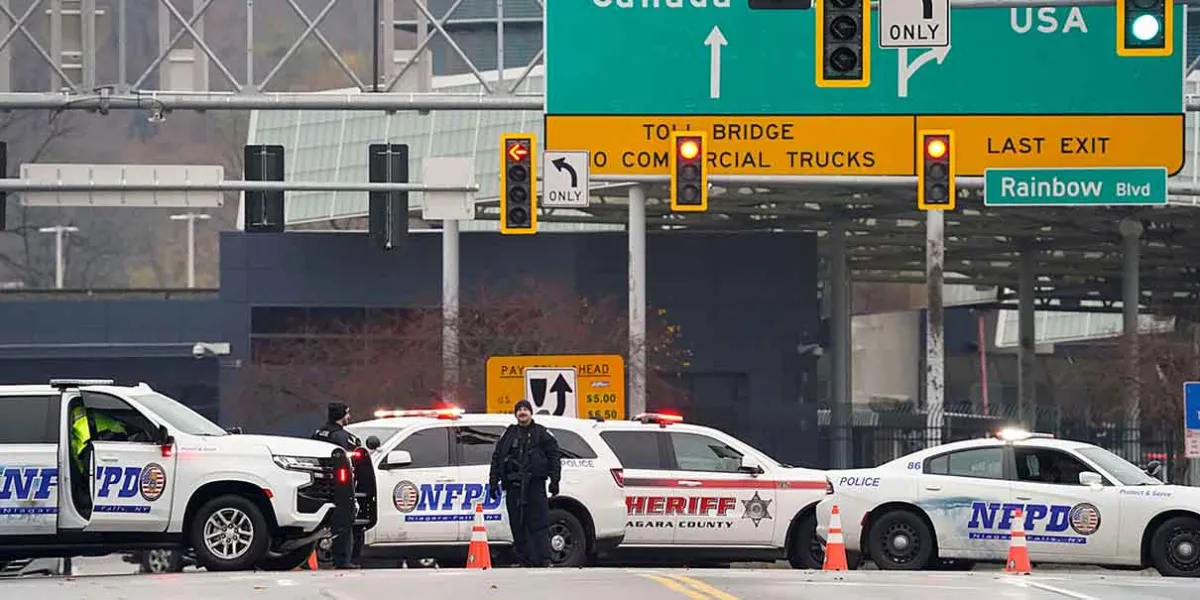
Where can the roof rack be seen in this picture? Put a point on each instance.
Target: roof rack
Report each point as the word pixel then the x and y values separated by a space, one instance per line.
pixel 74 383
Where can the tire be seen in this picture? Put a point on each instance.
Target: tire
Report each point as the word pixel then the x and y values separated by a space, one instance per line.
pixel 807 550
pixel 161 561
pixel 568 540
pixel 1175 547
pixel 288 561
pixel 901 541
pixel 231 514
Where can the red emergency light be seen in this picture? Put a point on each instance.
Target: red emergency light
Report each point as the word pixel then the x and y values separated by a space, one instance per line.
pixel 436 413
pixel 662 419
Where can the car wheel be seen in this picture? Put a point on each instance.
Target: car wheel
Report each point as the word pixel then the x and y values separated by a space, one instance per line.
pixel 287 561
pixel 901 541
pixel 162 561
pixel 229 533
pixel 568 542
pixel 808 549
pixel 1175 547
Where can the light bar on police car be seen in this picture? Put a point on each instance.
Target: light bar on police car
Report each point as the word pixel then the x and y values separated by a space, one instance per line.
pixel 658 418
pixel 1015 434
pixel 298 463
pixel 437 413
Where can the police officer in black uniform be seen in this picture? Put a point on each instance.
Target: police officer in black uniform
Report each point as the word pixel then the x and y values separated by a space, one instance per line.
pixel 526 456
pixel 334 432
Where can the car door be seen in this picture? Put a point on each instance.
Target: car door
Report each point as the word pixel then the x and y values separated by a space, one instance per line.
pixel 1063 517
pixel 133 477
pixel 29 470
pixel 474 445
pixel 648 487
pixel 968 498
pixel 715 503
pixel 422 508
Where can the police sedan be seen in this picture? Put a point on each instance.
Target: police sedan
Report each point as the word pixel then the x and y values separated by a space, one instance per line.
pixel 1080 504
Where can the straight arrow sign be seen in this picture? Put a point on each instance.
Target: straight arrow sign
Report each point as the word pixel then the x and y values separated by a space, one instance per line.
pixel 714 41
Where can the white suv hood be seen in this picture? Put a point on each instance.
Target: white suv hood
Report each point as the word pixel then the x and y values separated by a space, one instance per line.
pixel 273 444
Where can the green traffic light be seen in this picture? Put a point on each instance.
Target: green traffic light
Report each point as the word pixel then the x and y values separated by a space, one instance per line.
pixel 1145 28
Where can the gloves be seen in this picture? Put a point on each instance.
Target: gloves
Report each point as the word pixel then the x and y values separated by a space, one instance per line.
pixel 493 491
pixel 553 488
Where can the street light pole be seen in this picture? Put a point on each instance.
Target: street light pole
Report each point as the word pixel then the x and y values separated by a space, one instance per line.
pixel 60 232
pixel 191 242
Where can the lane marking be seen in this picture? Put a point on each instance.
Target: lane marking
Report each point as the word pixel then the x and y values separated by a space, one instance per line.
pixel 1045 587
pixel 717 593
pixel 672 585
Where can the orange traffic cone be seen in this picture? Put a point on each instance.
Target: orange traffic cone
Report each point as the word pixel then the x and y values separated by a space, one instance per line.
pixel 479 556
pixel 1018 550
pixel 835 545
pixel 310 564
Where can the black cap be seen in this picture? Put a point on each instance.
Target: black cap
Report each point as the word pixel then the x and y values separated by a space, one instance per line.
pixel 522 404
pixel 337 410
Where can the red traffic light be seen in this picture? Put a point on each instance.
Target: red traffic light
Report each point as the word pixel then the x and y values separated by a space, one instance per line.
pixel 517 151
pixel 689 148
pixel 936 147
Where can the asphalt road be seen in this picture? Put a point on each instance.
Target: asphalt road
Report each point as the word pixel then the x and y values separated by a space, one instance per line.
pixel 602 584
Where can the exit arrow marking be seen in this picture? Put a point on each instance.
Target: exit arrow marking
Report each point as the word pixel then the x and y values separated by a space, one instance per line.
pixel 562 165
pixel 561 388
pixel 905 70
pixel 714 41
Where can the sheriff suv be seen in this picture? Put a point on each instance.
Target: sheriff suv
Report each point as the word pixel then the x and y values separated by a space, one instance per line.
pixel 697 495
pixel 431 469
pixel 88 468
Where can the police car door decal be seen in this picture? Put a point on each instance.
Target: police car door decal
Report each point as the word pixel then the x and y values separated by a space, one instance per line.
pixel 29 492
pixel 131 487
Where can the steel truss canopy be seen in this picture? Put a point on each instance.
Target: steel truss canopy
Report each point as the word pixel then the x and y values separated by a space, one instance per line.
pixel 1078 249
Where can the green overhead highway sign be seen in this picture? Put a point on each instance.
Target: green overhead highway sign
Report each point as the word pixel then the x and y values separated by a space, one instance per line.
pixel 1074 187
pixel 1021 87
pixel 719 57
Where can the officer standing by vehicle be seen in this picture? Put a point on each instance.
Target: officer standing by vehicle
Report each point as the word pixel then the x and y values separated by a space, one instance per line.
pixel 334 432
pixel 525 457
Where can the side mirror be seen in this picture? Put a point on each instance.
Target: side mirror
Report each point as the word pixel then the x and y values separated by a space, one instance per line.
pixel 1154 469
pixel 396 459
pixel 234 430
pixel 164 436
pixel 1090 479
pixel 751 465
pixel 373 442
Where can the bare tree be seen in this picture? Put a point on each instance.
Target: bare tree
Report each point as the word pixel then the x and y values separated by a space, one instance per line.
pixel 395 357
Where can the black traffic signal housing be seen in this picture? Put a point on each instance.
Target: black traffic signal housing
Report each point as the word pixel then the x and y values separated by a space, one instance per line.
pixel 518 184
pixel 387 214
pixel 935 179
pixel 1145 27
pixel 689 171
pixel 843 43
pixel 264 210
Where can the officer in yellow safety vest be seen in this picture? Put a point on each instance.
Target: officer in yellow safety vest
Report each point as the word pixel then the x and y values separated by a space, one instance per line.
pixel 80 434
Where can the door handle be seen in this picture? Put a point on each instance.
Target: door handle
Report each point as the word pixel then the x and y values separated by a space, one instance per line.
pixel 1024 497
pixel 108 459
pixel 934 488
pixel 445 479
pixel 688 483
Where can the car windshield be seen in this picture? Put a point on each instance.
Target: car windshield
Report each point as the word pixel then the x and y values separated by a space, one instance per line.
pixel 365 431
pixel 177 415
pixel 1125 472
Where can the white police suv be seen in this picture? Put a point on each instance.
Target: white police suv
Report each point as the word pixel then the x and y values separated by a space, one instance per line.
pixel 696 495
pixel 431 469
pixel 1080 503
pixel 88 468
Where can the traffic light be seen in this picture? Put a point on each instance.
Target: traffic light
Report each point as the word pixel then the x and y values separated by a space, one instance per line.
pixel 1145 27
pixel 935 179
pixel 843 43
pixel 518 184
pixel 263 210
pixel 387 215
pixel 689 172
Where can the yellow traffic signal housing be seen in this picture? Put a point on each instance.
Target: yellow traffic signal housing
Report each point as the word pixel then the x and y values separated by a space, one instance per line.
pixel 935 177
pixel 689 171
pixel 843 43
pixel 518 184
pixel 1145 27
